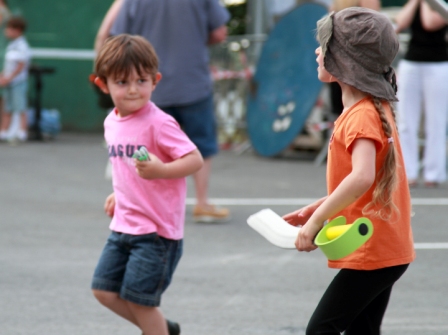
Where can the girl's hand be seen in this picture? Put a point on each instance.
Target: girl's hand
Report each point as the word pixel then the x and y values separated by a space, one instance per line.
pixel 306 236
pixel 109 205
pixel 153 168
pixel 300 216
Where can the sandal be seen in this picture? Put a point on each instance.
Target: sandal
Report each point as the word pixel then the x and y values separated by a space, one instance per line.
pixel 431 184
pixel 412 183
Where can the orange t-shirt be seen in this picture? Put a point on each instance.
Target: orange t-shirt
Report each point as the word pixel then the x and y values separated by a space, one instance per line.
pixel 392 242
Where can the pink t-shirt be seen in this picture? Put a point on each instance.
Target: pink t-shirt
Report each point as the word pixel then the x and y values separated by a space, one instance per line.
pixel 146 206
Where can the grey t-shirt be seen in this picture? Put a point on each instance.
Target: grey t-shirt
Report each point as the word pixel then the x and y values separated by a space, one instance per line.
pixel 178 30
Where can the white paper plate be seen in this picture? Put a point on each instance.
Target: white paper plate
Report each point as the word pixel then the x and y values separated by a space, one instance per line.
pixel 272 227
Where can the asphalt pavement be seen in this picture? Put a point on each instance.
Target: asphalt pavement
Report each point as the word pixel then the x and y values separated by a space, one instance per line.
pixel 230 280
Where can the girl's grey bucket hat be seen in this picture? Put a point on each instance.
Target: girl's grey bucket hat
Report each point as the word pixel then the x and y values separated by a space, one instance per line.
pixel 359 46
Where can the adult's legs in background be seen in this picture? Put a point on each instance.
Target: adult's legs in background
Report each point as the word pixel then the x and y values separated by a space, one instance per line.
pixel 198 122
pixel 435 108
pixel 201 180
pixel 409 114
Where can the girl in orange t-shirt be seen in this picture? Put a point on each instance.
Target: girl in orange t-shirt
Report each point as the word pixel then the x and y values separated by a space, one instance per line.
pixel 365 173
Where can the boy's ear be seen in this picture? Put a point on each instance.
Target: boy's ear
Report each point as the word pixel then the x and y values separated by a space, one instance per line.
pixel 158 77
pixel 101 84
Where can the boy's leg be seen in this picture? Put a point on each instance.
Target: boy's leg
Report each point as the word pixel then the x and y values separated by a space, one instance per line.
pixel 6 122
pixel 19 101
pixel 6 114
pixel 150 319
pixel 6 117
pixel 137 254
pixel 122 308
pixel 24 121
pixel 23 128
pixel 112 301
pixel 108 276
pixel 149 270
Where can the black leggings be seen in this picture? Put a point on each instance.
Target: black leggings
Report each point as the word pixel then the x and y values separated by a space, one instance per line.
pixel 355 302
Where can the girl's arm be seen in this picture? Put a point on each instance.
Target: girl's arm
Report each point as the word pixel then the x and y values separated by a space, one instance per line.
pixel 431 20
pixel 179 168
pixel 106 24
pixel 406 15
pixel 302 215
pixel 349 190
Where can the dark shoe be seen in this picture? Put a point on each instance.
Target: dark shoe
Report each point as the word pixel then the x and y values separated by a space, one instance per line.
pixel 173 327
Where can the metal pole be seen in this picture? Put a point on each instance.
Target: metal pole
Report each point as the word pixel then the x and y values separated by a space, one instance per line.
pixel 256 16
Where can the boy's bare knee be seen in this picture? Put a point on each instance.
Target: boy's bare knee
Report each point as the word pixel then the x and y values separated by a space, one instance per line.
pixel 136 307
pixel 104 297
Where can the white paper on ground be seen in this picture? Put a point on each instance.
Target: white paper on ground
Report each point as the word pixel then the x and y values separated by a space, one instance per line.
pixel 272 227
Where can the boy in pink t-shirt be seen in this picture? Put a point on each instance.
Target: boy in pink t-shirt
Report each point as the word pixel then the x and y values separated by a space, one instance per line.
pixel 148 203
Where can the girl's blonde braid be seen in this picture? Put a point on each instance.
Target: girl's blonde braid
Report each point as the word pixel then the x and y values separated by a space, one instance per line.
pixel 386 176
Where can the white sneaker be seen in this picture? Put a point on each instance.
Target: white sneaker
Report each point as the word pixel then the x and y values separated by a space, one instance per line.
pixel 3 135
pixel 22 136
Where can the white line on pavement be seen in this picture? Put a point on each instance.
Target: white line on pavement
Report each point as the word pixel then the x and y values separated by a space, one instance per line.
pixel 300 201
pixel 433 245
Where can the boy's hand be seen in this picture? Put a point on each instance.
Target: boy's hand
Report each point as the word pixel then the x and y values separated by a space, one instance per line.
pixel 153 168
pixel 109 205
pixel 141 154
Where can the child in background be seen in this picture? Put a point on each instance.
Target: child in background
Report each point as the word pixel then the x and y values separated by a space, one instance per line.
pixel 148 203
pixel 14 78
pixel 365 173
pixel 5 14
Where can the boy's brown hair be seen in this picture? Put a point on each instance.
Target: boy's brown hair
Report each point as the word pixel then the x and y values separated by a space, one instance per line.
pixel 17 22
pixel 121 53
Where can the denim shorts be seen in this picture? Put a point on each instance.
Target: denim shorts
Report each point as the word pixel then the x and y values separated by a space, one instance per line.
pixel 137 267
pixel 16 97
pixel 198 122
